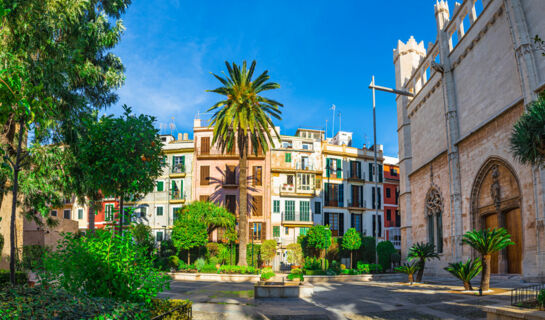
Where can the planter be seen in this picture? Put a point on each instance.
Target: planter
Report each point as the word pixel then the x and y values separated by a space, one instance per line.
pixel 288 289
pixel 506 313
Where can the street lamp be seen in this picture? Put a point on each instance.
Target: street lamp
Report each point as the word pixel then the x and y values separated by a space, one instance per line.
pixel 374 87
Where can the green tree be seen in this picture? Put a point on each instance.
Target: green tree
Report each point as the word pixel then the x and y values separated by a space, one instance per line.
pixel 368 249
pixel 143 238
pixel 351 242
pixel 124 156
pixel 243 120
pixel 422 252
pixel 528 136
pixel 385 249
pixel 55 66
pixel 268 251
pixel 189 232
pixel 295 254
pixel 212 215
pixel 486 242
pixel 465 271
pixel 319 237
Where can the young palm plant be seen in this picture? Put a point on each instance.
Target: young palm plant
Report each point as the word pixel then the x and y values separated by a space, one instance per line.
pixel 465 271
pixel 486 242
pixel 243 119
pixel 409 269
pixel 528 137
pixel 422 251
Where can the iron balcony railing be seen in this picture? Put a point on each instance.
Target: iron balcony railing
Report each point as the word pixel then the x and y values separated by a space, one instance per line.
pixel 357 204
pixel 300 165
pixel 334 203
pixel 177 195
pixel 177 168
pixel 296 216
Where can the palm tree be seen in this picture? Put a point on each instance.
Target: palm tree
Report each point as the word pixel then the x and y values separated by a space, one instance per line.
pixel 422 251
pixel 465 271
pixel 409 269
pixel 486 242
pixel 244 116
pixel 528 137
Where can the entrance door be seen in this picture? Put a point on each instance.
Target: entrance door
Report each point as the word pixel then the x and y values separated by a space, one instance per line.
pixel 491 221
pixel 514 252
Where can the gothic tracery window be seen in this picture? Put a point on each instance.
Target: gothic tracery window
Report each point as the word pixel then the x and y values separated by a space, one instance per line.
pixel 434 212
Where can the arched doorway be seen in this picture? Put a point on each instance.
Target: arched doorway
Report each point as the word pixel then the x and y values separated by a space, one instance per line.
pixel 495 202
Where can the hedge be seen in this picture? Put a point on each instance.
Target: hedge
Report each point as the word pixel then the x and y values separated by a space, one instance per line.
pixel 20 277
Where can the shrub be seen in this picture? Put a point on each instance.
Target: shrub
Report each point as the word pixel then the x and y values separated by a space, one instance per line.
pixel 395 258
pixel 314 272
pixel 167 248
pixel 233 269
pixel 267 274
pixel 423 252
pixel 295 254
pixel 209 268
pixel 53 303
pixel 367 249
pixel 541 298
pixel 161 306
pixel 312 264
pixel 350 271
pixel 187 267
pixel 369 268
pixel 199 264
pixel 256 255
pixel 330 272
pixel 385 249
pixel 465 271
pixel 213 261
pixel 335 266
pixel 33 256
pixel 174 262
pixel 296 274
pixel 104 264
pixel 212 249
pixel 20 277
pixel 143 237
pixel 224 254
pixel 268 251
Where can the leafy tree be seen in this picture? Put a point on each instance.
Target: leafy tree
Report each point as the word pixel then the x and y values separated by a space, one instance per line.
pixel 122 156
pixel 268 250
pixel 55 66
pixel 528 136
pixel 319 237
pixel 422 252
pixel 244 116
pixel 143 238
pixel 486 242
pixel 351 242
pixel 368 249
pixel 212 215
pixel 189 232
pixel 295 254
pixel 465 271
pixel 385 250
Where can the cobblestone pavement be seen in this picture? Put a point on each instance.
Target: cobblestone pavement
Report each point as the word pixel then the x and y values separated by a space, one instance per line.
pixel 435 299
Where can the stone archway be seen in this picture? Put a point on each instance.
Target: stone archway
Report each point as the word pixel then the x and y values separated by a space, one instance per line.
pixel 496 202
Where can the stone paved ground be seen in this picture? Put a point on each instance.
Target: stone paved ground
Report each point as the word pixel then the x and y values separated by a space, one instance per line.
pixel 341 300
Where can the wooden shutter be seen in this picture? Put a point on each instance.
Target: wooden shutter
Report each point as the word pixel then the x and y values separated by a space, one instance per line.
pixel 326 193
pixel 341 224
pixel 205 175
pixel 205 145
pixel 327 167
pixel 173 163
pixel 182 189
pixel 379 198
pixel 352 168
pixel 257 205
pixel 339 169
pixel 263 231
pixel 361 196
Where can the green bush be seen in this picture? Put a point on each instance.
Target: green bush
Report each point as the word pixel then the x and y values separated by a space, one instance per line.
pixel 233 269
pixel 295 254
pixel 209 268
pixel 161 306
pixel 335 266
pixel 212 249
pixel 256 255
pixel 20 277
pixel 174 262
pixel 225 254
pixel 267 274
pixel 296 274
pixel 103 264
pixel 369 268
pixel 167 248
pixel 268 251
pixel 39 303
pixel 162 263
pixel 385 249
pixel 350 271
pixel 367 249
pixel 312 264
pixel 541 298
pixel 33 256
pixel 330 272
pixel 314 272
pixel 199 264
pixel 187 267
pixel 213 261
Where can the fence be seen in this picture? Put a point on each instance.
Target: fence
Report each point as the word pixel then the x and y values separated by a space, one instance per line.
pixel 526 296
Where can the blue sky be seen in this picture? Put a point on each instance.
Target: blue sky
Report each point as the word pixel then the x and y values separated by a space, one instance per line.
pixel 320 52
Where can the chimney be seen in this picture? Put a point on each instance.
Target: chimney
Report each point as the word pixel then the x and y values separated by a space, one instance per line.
pixel 186 136
pixel 180 135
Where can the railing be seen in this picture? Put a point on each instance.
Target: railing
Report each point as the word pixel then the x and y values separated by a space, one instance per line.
pixel 334 203
pixel 526 297
pixel 178 168
pixel 214 152
pixel 177 195
pixel 300 165
pixel 357 204
pixel 296 216
pixel 356 177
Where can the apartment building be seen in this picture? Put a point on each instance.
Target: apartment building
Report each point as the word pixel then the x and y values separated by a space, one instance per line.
pixel 349 191
pixel 392 219
pixel 217 177
pixel 296 184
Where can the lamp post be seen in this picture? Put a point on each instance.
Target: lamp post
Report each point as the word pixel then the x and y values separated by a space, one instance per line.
pixel 374 87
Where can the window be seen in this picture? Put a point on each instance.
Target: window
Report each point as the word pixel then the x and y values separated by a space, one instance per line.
pixel 375 218
pixel 304 210
pixel 205 175
pixel 258 175
pixel 287 157
pixel 434 212
pixel 355 169
pixel 334 195
pixel 335 222
pixel 393 172
pixel 290 179
pixel 398 219
pixel 286 144
pixel 276 231
pixel 388 215
pixel 317 207
pixel 257 206
pixel 397 196
pixel 286 231
pixel 53 213
pixel 66 214
pixel 388 193
pixel 80 214
pixel 303 231
pixel 178 164
pixel 160 186
pixel 143 212
pixel 109 212
pixel 307 146
pixel 356 222
pixel 289 215
pixel 159 211
pixel 230 175
pixel 357 196
pixel 231 203
pixel 305 181
pixel 276 206
pixel 159 236
pixel 205 145
pixel 255 230
pixel 379 199
pixel 176 212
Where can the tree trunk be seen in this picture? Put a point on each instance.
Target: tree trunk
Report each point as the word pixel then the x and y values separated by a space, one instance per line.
pixel 121 215
pixel 16 168
pixel 467 286
pixel 188 257
pixel 485 276
pixel 243 207
pixel 91 218
pixel 351 266
pixel 422 264
pixel 411 280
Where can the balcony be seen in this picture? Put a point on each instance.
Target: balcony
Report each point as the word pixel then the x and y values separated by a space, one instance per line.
pixel 214 153
pixel 296 218
pixel 292 190
pixel 287 188
pixel 357 204
pixel 304 166
pixel 177 197
pixel 177 171
pixel 393 235
pixel 229 182
pixel 334 203
pixel 356 178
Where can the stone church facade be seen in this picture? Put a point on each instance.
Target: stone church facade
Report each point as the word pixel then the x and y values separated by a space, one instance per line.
pixel 457 171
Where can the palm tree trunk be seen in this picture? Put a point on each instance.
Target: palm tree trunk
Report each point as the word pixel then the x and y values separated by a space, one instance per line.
pixel 485 277
pixel 411 276
pixel 243 207
pixel 422 264
pixel 467 285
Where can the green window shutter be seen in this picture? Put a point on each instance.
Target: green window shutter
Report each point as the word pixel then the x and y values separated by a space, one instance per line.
pixel 341 195
pixel 159 186
pixel 304 208
pixel 182 189
pixel 276 231
pixel 173 161
pixel 339 169
pixel 183 160
pixel 276 206
pixel 327 167
pixel 159 211
pixel 290 210
pixel 288 157
pixel 173 187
